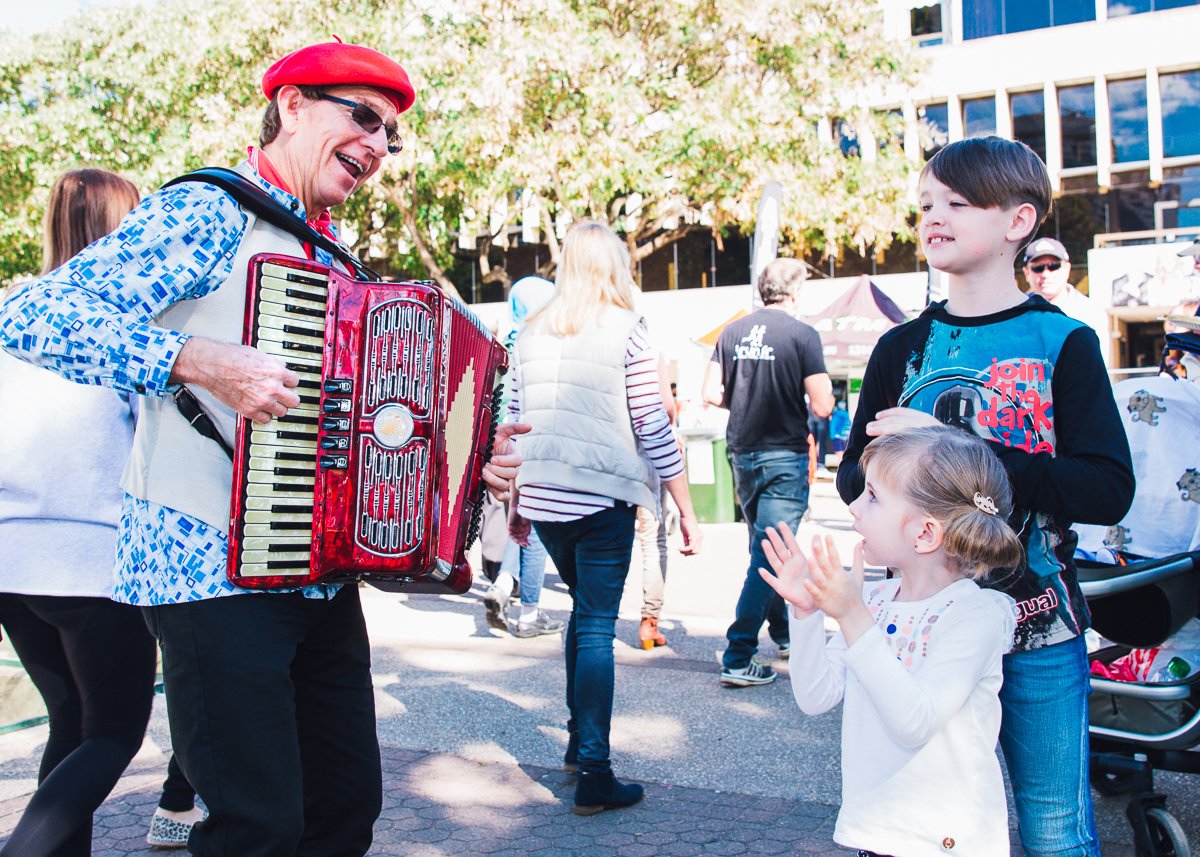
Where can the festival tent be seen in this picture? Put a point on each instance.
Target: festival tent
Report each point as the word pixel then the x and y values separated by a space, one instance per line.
pixel 710 339
pixel 853 323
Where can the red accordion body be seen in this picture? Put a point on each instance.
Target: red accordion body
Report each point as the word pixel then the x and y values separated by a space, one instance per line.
pixel 377 474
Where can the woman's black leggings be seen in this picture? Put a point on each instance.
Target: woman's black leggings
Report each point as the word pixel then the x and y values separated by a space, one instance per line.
pixel 177 793
pixel 93 662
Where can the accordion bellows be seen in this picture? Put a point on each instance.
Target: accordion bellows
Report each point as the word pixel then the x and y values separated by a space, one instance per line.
pixel 377 474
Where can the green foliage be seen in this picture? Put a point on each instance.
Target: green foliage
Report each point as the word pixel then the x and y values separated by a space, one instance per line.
pixel 661 116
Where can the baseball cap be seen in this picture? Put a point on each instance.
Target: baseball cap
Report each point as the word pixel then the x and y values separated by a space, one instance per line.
pixel 1192 249
pixel 1046 247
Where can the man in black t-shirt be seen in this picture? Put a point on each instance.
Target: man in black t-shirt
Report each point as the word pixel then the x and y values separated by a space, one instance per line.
pixel 762 368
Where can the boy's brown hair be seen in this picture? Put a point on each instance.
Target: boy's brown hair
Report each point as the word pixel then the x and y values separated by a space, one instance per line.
pixel 991 172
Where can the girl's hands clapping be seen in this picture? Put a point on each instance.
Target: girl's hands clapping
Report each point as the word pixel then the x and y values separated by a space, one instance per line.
pixel 837 593
pixel 818 582
pixel 791 569
pixel 831 589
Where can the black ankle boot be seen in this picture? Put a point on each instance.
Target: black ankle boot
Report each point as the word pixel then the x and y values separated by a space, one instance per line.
pixel 598 791
pixel 571 757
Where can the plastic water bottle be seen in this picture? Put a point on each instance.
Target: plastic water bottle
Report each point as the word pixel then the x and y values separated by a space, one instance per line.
pixel 1175 669
pixel 1178 656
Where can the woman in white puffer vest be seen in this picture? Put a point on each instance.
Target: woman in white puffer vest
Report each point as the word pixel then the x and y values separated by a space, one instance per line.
pixel 586 379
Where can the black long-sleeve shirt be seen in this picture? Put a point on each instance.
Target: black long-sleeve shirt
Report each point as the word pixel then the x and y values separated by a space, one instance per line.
pixel 1031 380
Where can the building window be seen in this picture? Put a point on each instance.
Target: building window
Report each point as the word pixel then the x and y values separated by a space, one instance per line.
pixel 979 117
pixel 848 139
pixel 1127 111
pixel 982 18
pixel 891 132
pixel 1117 8
pixel 934 123
pixel 926 25
pixel 1029 120
pixel 1180 195
pixel 1181 113
pixel 1077 116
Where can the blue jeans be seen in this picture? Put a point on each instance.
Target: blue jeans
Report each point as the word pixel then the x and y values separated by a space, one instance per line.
pixel 528 565
pixel 772 486
pixel 592 557
pixel 1044 736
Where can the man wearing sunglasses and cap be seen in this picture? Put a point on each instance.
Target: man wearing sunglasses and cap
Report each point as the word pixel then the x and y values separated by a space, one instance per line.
pixel 269 693
pixel 1047 268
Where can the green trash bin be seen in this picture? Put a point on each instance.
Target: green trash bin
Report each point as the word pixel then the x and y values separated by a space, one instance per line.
pixel 710 481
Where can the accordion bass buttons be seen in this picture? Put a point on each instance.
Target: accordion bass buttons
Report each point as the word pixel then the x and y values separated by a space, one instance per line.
pixel 335 447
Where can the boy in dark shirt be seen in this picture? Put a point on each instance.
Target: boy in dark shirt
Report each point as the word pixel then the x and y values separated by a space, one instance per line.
pixel 1018 372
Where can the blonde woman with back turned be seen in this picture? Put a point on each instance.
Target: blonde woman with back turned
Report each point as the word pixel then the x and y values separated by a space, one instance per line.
pixel 586 379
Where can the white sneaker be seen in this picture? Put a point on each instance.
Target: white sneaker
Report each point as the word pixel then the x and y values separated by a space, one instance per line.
pixel 496 603
pixel 542 624
pixel 748 676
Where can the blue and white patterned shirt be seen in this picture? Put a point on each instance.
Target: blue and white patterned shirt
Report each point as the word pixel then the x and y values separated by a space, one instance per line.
pixel 91 321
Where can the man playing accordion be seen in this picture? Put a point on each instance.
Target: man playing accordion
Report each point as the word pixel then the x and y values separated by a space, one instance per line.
pixel 269 693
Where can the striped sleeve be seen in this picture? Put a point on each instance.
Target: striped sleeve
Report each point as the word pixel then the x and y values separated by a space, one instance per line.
pixel 650 421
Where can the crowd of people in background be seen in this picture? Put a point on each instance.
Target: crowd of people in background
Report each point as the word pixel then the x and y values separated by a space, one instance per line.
pixel 983 433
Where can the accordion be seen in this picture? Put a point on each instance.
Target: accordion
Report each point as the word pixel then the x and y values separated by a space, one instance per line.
pixel 376 475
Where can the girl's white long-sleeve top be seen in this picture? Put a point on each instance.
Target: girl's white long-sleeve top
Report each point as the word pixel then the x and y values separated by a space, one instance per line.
pixel 921 717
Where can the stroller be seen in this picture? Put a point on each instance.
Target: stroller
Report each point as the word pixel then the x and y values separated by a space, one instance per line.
pixel 1136 728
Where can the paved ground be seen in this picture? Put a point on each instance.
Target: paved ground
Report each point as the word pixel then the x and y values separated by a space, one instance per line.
pixel 471 724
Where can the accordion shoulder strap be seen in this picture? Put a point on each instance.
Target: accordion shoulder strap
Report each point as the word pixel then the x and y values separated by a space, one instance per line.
pixel 257 201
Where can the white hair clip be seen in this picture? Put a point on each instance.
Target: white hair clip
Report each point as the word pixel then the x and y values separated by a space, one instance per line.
pixel 985 504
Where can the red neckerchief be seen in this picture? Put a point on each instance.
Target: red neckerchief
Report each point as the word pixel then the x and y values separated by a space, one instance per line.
pixel 262 165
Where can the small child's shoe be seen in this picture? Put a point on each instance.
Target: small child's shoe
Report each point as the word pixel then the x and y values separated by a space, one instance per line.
pixel 171 829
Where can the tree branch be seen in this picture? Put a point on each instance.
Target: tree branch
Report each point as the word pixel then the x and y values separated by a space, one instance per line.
pixel 418 239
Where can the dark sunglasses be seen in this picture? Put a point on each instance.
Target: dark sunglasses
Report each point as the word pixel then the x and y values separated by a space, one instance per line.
pixel 369 121
pixel 1037 269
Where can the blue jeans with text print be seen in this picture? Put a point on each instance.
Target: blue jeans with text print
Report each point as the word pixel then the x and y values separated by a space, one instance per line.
pixel 772 486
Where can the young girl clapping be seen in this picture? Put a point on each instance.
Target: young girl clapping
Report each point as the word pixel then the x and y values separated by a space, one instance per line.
pixel 917 657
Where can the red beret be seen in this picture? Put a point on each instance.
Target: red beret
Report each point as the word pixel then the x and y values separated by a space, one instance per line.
pixel 339 64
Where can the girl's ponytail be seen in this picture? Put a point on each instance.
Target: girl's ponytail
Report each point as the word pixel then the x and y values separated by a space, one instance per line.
pixel 980 541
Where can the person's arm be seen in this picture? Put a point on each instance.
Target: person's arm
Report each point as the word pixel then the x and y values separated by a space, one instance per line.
pixel 1089 478
pixel 816 669
pixel 254 384
pixel 91 320
pixel 819 389
pixel 500 472
pixel 712 390
pixel 653 429
pixel 880 390
pixel 689 527
pixel 664 390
